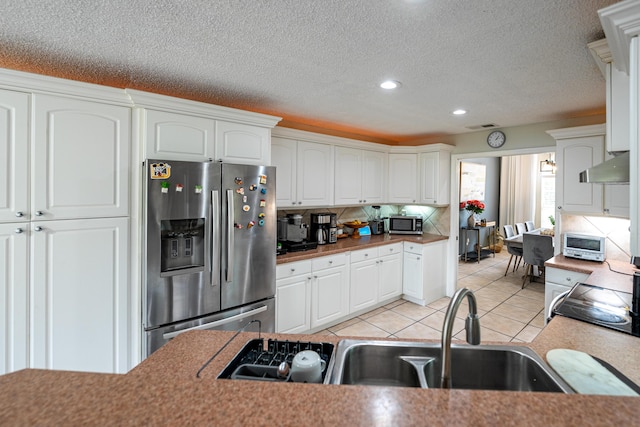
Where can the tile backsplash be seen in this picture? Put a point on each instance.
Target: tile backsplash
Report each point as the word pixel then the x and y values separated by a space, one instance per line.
pixel 435 219
pixel 616 231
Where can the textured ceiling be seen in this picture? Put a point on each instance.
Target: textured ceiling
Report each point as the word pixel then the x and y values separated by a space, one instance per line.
pixel 319 62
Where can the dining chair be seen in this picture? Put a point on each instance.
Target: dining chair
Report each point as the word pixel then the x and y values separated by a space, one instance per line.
pixel 529 225
pixel 520 228
pixel 515 252
pixel 536 249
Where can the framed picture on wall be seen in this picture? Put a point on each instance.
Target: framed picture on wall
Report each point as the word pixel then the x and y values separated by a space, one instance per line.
pixel 473 179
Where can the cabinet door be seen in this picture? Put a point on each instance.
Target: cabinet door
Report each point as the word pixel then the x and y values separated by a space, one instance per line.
pixel 618 90
pixel 329 295
pixel 293 301
pixel 315 174
pixel 412 275
pixel 244 144
pixel 374 172
pixel 429 177
pixel 389 276
pixel 81 159
pixel 364 285
pixel 573 156
pixel 403 178
pixel 14 303
pixel 80 297
pixel 348 176
pixel 435 263
pixel 434 178
pixel 14 156
pixel 178 136
pixel 284 155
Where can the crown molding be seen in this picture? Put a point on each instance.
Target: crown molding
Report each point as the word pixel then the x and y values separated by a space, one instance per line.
pixel 38 83
pixel 621 22
pixel 155 101
pixel 601 54
pixel 578 131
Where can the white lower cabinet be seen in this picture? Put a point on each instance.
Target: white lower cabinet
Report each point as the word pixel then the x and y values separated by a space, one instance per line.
pixel 364 279
pixel 424 272
pixel 293 297
pixel 80 302
pixel 376 275
pixel 14 288
pixel 390 271
pixel 329 289
pixel 558 281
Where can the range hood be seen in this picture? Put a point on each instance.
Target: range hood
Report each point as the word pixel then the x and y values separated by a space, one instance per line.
pixel 613 171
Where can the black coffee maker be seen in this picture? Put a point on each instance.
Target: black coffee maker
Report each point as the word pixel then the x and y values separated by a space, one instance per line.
pixel 323 228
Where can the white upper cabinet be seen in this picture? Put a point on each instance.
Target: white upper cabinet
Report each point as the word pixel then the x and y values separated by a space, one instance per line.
pixel 181 129
pixel 359 176
pixel 284 156
pixel 434 177
pixel 348 177
pixel 578 149
pixel 618 97
pixel 374 176
pixel 403 178
pixel 80 158
pixel 304 173
pixel 14 156
pixel 618 90
pixel 178 136
pixel 315 174
pixel 573 155
pixel 239 143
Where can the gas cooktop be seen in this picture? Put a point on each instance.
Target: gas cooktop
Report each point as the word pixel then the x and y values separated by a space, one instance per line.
pixel 600 306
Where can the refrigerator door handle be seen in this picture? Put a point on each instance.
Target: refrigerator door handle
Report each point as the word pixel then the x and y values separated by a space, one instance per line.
pixel 215 215
pixel 229 248
pixel 220 322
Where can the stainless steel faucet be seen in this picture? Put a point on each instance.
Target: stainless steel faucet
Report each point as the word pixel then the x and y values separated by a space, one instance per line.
pixel 471 324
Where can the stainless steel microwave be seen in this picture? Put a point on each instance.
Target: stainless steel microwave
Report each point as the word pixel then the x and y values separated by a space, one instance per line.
pixel 400 224
pixel 584 246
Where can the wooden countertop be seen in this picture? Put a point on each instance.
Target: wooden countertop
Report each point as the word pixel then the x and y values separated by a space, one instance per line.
pixel 163 390
pixel 350 244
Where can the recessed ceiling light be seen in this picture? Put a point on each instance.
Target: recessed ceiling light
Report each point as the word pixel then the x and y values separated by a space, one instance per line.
pixel 390 84
pixel 459 112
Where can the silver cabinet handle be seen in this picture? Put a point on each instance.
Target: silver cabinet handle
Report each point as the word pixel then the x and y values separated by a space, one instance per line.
pixel 39 213
pixel 19 214
pixel 37 228
pixel 19 230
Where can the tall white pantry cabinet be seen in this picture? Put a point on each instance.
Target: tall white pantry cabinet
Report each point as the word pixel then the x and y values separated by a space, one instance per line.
pixel 64 227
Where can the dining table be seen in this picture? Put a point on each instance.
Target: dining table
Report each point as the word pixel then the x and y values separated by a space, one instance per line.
pixel 516 241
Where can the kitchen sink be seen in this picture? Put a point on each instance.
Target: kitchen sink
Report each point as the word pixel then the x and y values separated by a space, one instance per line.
pixel 414 364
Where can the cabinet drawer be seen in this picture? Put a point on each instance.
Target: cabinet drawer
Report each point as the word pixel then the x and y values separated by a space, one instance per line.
pixel 413 248
pixel 329 261
pixel 364 254
pixel 396 248
pixel 564 277
pixel 291 269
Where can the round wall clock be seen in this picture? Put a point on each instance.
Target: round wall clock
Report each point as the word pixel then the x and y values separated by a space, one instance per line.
pixel 496 139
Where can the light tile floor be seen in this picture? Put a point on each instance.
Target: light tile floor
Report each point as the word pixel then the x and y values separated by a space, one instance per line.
pixel 507 312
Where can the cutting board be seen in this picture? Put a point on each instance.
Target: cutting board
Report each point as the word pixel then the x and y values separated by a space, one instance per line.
pixel 586 375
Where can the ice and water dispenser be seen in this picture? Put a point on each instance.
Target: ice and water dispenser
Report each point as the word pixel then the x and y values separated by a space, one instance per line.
pixel 183 244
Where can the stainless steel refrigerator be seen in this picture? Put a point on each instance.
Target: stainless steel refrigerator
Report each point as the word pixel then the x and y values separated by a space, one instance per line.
pixel 210 248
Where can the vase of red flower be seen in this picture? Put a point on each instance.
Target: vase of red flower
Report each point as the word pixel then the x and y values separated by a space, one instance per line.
pixel 475 207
